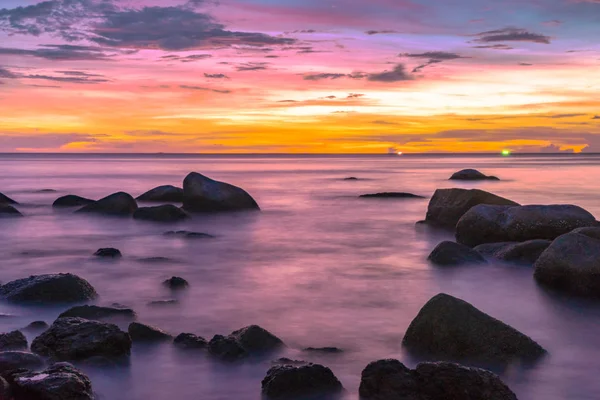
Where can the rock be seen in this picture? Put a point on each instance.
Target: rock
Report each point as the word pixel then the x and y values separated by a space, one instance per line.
pixel 5 390
pixel 323 350
pixel 165 193
pixel 226 348
pixel 160 303
pixel 447 206
pixel 156 260
pixel 452 253
pixel 450 328
pixel 61 381
pixel 521 253
pixel 78 339
pixel 51 288
pixel 7 211
pixel 108 252
pixel 190 341
pixel 72 201
pixel 10 360
pixel 295 381
pixel 471 175
pixel 251 340
pixel 176 282
pixel 146 333
pixel 391 195
pixel 117 204
pixel 46 191
pixel 489 249
pixel 490 224
pixel 288 361
pixel 391 380
pixel 6 200
pixel 164 213
pixel 202 194
pixel 351 178
pixel 189 235
pixel 36 326
pixel 14 340
pixel 97 313
pixel 571 263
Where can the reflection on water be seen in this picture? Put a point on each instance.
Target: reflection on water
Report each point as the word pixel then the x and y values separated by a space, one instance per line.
pixel 317 267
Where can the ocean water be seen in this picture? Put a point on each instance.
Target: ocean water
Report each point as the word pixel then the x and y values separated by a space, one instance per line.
pixel 317 266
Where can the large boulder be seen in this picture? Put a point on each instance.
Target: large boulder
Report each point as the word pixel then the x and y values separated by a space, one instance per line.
pixel 176 283
pixel 7 211
pixel 146 333
pixel 391 380
pixel 447 206
pixel 71 200
pixel 572 263
pixel 251 340
pixel 117 204
pixel 97 312
pixel 14 340
pixel 10 360
pixel 165 193
pixel 491 223
pixel 6 200
pixel 51 288
pixel 78 339
pixel 519 253
pixel 300 381
pixel 450 328
pixel 452 253
pixel 391 195
pixel 108 252
pixel 190 341
pixel 202 194
pixel 472 175
pixel 164 213
pixel 61 381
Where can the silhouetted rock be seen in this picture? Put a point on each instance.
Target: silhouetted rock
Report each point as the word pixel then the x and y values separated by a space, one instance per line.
pixel 46 191
pixel 226 348
pixel 14 340
pixel 78 339
pixel 108 252
pixel 300 381
pixel 71 200
pixel 490 224
pixel 489 249
pixel 391 380
pixel 146 333
pixel 451 328
pixel 519 253
pixel 351 178
pixel 250 340
pixel 391 195
pixel 51 288
pixel 117 204
pixel 61 381
pixel 165 193
pixel 162 303
pixel 176 282
pixel 97 313
pixel 5 390
pixel 190 341
pixel 164 213
pixel 452 253
pixel 10 360
pixel 7 211
pixel 202 194
pixel 447 206
pixel 471 175
pixel 189 235
pixel 323 350
pixel 36 326
pixel 6 200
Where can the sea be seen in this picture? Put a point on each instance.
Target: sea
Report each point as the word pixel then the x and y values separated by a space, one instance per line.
pixel 317 266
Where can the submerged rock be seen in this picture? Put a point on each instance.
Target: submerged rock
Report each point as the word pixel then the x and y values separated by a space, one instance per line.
pixel 146 333
pixel 117 204
pixel 36 326
pixel 300 381
pixel 451 328
pixel 490 224
pixel 447 206
pixel 14 340
pixel 189 235
pixel 51 288
pixel 226 348
pixel 202 194
pixel 78 339
pixel 351 178
pixel 6 200
pixel 190 341
pixel 97 313
pixel 452 253
pixel 160 303
pixel 520 253
pixel 331 350
pixel 472 175
pixel 391 380
pixel 165 193
pixel 176 282
pixel 71 200
pixel 164 213
pixel 7 211
pixel 391 195
pixel 251 340
pixel 10 360
pixel 61 381
pixel 108 252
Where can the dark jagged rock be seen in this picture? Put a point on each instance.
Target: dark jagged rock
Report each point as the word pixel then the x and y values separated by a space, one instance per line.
pixel 300 381
pixel 288 361
pixel 165 193
pixel 10 360
pixel 226 348
pixel 190 341
pixel 250 340
pixel 202 194
pixel 146 333
pixel 14 340
pixel 519 253
pixel 117 204
pixel 452 253
pixel 161 303
pixel 391 380
pixel 61 381
pixel 71 200
pixel 490 224
pixel 391 195
pixel 108 252
pixel 7 211
pixel 51 288
pixel 447 206
pixel 472 175
pixel 451 328
pixel 176 282
pixel 78 339
pixel 330 350
pixel 6 200
pixel 189 235
pixel 164 213
pixel 97 313
pixel 36 326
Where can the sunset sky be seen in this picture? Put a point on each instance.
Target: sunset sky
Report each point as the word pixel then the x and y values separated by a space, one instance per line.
pixel 278 76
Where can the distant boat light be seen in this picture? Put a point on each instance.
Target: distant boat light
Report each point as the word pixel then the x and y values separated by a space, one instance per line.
pixel 399 153
pixel 506 152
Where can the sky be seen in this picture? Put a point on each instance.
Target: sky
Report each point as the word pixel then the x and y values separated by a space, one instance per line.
pixel 299 76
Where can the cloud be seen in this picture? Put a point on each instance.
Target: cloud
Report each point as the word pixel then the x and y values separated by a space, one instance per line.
pixel 375 32
pixel 322 76
pixel 10 142
pixel 216 76
pixel 5 73
pixel 382 122
pixel 223 91
pixel 558 116
pixel 63 52
pixel 186 59
pixel 397 74
pixel 553 22
pixel 596 117
pixel 252 66
pixel 511 35
pixel 434 57
pixel 525 64
pixel 67 76
pixel 494 47
pixel 552 148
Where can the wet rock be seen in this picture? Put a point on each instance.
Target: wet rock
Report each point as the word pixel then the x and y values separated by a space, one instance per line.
pixel 156 260
pixel 190 341
pixel 71 200
pixel 6 200
pixel 300 381
pixel 590 231
pixel 175 282
pixel 391 380
pixel 472 175
pixel 447 206
pixel 61 381
pixel 226 348
pixel 351 178
pixel 108 252
pixel 520 253
pixel 78 339
pixel 189 235
pixel 250 340
pixel 5 390
pixel 288 361
pixel 452 253
pixel 164 213
pixel 202 194
pixel 14 340
pixel 571 263
pixel 490 224
pixel 165 193
pixel 489 249
pixel 97 313
pixel 51 288
pixel 46 191
pixel 36 326
pixel 391 195
pixel 7 211
pixel 330 350
pixel 146 333
pixel 117 204
pixel 10 360
pixel 161 303
pixel 450 328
